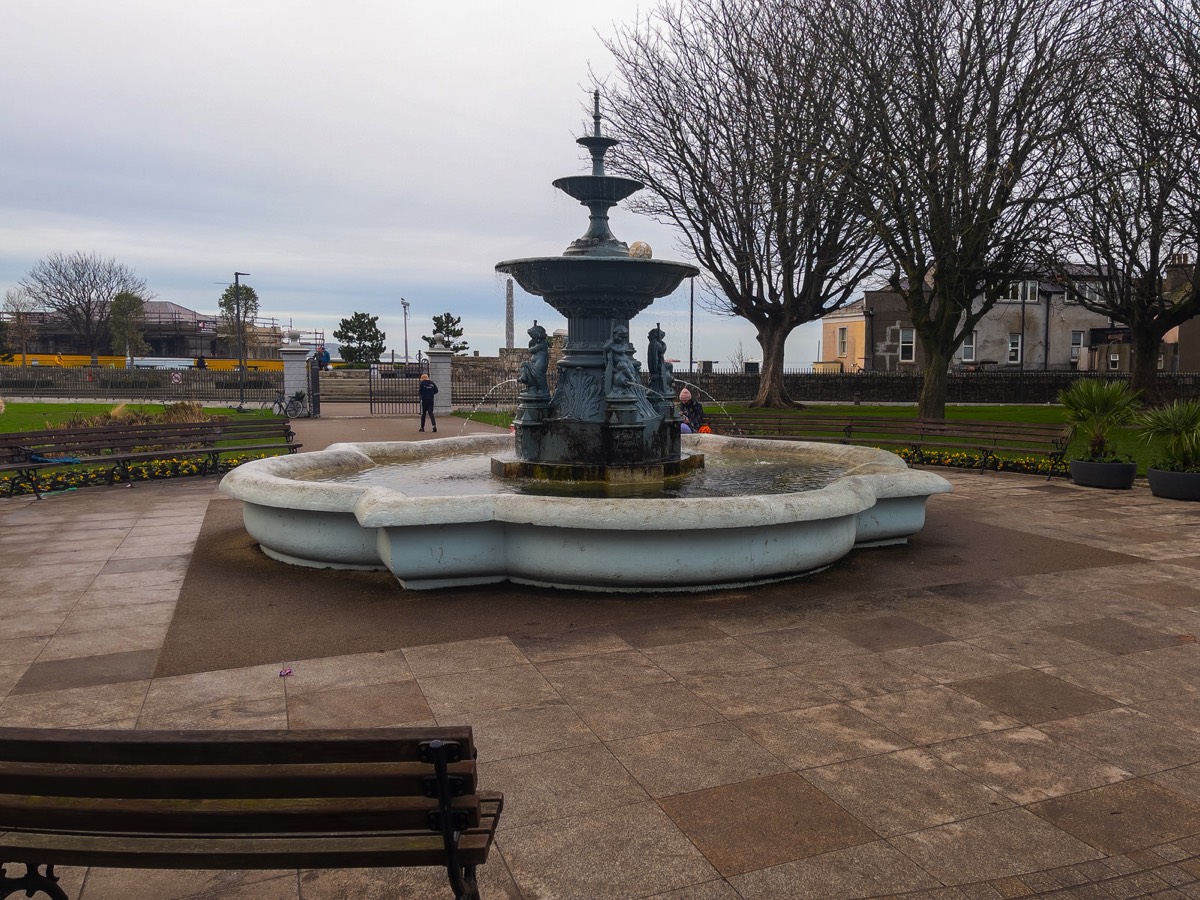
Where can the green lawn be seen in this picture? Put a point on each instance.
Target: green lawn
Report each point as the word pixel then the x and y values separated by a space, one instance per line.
pixel 36 416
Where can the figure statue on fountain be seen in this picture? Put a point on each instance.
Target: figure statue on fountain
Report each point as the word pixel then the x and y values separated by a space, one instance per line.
pixel 532 373
pixel 662 374
pixel 620 373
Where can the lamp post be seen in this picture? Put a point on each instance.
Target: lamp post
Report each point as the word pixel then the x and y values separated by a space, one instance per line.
pixel 691 322
pixel 237 314
pixel 405 304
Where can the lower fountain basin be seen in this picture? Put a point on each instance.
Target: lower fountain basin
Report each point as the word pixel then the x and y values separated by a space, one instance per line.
pixel 592 543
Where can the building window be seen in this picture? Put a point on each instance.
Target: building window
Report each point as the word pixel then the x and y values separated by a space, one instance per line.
pixel 1014 348
pixel 1018 291
pixel 841 341
pixel 1080 291
pixel 908 346
pixel 1162 360
pixel 1114 361
pixel 1076 345
pixel 968 348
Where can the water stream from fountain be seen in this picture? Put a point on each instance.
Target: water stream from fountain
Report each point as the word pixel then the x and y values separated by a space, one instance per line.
pixel 483 400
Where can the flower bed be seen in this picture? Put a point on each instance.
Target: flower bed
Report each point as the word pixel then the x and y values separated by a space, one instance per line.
pixel 966 459
pixel 70 479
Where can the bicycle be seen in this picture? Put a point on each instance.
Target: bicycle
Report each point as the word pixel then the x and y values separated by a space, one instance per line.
pixel 293 407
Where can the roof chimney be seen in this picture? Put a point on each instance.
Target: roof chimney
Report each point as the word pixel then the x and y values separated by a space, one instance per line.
pixel 1178 273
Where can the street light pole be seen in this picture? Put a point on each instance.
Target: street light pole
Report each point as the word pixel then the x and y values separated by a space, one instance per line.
pixel 405 304
pixel 691 322
pixel 237 314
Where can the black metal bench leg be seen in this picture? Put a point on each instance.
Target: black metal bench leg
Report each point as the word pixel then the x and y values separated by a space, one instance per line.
pixel 32 882
pixel 29 475
pixel 462 882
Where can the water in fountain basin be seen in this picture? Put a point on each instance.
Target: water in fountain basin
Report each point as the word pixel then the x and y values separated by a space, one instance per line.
pixel 728 474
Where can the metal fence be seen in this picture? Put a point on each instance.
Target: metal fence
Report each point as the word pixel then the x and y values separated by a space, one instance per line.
pixel 156 385
pixel 892 387
pixel 490 387
pixel 393 387
pixel 494 388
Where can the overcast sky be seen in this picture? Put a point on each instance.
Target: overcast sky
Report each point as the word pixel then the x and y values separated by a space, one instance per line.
pixel 345 155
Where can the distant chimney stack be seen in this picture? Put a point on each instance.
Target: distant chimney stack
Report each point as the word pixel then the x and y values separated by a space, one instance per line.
pixel 1178 273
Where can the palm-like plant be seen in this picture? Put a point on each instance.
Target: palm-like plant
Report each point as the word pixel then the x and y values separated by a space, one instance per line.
pixel 1178 425
pixel 1095 408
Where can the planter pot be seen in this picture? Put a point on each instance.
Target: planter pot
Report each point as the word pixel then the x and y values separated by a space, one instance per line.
pixel 1174 485
pixel 1113 475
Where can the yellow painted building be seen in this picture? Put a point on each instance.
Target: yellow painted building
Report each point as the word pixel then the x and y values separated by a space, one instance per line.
pixel 843 343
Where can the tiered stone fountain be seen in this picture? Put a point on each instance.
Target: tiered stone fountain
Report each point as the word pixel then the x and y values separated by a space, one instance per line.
pixel 601 424
pixel 408 507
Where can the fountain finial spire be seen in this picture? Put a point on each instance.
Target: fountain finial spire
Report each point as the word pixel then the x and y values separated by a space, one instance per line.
pixel 598 192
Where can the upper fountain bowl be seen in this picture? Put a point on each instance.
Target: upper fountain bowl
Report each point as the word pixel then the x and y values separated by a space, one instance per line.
pixel 598 188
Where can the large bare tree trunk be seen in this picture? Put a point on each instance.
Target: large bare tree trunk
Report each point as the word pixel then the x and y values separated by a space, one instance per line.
pixel 932 402
pixel 770 386
pixel 1145 366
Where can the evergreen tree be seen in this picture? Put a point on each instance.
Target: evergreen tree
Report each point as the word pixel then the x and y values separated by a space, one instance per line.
pixel 450 327
pixel 244 300
pixel 360 339
pixel 126 315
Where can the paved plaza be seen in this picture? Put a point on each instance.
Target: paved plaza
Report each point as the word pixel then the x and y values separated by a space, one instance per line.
pixel 1008 706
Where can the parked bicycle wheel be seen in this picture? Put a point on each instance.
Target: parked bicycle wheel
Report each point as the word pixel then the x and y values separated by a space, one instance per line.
pixel 294 409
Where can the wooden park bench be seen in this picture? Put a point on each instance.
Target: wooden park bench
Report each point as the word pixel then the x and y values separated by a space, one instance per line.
pixel 115 446
pixel 988 439
pixel 237 800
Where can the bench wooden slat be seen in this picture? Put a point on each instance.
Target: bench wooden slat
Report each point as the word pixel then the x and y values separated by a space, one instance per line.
pixel 343 779
pixel 254 852
pixel 282 814
pixel 237 747
pixel 987 438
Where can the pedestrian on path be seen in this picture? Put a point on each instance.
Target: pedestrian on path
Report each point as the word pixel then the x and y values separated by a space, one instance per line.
pixel 425 391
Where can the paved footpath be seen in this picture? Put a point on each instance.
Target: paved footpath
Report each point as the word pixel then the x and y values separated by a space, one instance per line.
pixel 973 734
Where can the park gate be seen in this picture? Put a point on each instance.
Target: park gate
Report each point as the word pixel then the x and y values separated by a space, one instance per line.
pixel 393 388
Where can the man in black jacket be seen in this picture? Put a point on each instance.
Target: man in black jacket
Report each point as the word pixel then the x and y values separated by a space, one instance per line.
pixel 425 391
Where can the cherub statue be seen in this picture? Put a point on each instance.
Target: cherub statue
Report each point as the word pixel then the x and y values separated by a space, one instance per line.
pixel 620 373
pixel 532 373
pixel 662 375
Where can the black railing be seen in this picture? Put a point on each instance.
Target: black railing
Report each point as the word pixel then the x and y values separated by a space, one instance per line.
pixel 494 387
pixel 393 387
pixel 158 385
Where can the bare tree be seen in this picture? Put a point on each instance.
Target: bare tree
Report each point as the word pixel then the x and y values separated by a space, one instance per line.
pixel 78 288
pixel 20 310
pixel 724 110
pixel 965 104
pixel 1133 228
pixel 737 359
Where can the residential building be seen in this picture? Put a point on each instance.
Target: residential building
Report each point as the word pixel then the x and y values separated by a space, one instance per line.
pixel 1035 326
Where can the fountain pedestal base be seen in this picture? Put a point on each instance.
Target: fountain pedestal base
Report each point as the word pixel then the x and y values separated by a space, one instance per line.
pixel 608 475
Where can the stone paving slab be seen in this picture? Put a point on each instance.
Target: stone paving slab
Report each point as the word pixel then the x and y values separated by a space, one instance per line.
pixel 976 734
